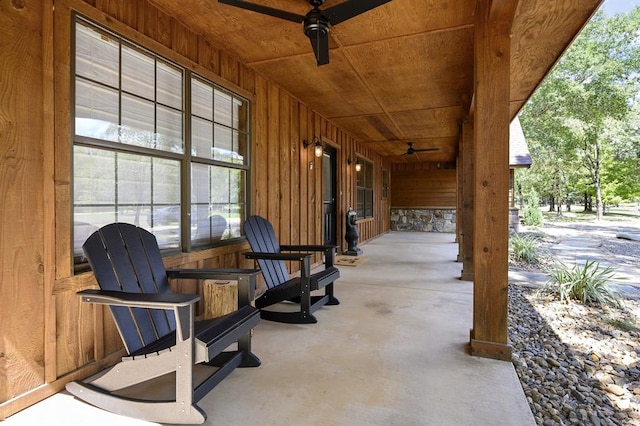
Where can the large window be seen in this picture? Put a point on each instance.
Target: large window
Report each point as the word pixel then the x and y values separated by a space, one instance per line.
pixel 154 145
pixel 364 189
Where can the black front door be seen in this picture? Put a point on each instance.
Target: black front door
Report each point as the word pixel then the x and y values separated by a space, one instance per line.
pixel 329 183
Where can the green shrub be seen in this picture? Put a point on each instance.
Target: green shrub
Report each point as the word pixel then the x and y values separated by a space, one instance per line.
pixel 523 248
pixel 587 284
pixel 532 216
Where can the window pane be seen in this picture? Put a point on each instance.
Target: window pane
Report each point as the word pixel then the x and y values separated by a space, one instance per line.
pixel 111 186
pixel 94 178
pixel 223 108
pixel 223 144
pixel 96 111
pixel 138 73
pixel 169 82
pixel 368 210
pixel 133 176
pixel 360 176
pixel 240 115
pixel 202 100
pixel 169 129
pixel 217 195
pixel 239 148
pixel 138 117
pixel 201 138
pixel 369 172
pixel 97 56
pixel 166 182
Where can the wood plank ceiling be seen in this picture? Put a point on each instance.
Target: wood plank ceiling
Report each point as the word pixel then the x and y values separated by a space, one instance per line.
pixel 400 73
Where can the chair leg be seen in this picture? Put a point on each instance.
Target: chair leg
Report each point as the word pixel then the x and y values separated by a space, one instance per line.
pixel 248 357
pixel 329 292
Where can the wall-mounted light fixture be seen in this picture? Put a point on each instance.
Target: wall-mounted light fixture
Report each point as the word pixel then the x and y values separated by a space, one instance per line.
pixel 358 165
pixel 317 146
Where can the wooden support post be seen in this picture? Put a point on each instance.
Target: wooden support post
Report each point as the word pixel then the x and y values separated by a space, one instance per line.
pixel 220 298
pixel 466 215
pixel 491 177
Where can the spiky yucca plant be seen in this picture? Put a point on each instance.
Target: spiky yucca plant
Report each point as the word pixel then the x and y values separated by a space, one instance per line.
pixel 588 284
pixel 523 248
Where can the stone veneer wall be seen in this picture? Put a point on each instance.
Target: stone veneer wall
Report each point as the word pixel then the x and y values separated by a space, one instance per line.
pixel 423 220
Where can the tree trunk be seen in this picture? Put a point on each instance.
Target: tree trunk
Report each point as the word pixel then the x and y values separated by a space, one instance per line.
pixel 587 203
pixel 596 182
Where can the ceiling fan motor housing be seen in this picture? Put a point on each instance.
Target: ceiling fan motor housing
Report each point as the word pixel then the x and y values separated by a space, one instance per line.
pixel 315 24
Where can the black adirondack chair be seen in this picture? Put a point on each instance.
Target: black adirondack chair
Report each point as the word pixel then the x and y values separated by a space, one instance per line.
pixel 159 330
pixel 281 287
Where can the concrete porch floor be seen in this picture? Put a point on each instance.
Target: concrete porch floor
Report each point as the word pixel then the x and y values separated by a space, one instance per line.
pixel 392 353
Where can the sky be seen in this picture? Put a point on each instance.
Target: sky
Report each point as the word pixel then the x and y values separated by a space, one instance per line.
pixel 611 7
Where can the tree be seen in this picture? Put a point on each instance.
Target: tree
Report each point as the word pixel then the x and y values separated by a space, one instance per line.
pixel 580 113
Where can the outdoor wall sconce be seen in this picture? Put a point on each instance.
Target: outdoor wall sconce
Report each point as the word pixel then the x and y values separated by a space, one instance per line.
pixel 317 146
pixel 358 165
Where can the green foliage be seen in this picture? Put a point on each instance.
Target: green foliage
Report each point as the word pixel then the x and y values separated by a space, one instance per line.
pixel 581 124
pixel 523 248
pixel 587 284
pixel 532 215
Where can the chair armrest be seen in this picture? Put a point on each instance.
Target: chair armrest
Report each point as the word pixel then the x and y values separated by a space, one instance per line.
pixel 303 258
pixel 309 247
pixel 211 273
pixel 181 304
pixel 246 279
pixel 138 300
pixel 277 256
pixel 328 249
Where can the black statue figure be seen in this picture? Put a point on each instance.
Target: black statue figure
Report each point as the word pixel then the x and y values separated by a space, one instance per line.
pixel 352 234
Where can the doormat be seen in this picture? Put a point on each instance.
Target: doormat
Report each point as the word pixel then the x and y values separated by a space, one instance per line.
pixel 342 260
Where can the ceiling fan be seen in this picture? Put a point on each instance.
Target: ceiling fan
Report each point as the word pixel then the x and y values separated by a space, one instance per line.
pixel 411 150
pixel 316 21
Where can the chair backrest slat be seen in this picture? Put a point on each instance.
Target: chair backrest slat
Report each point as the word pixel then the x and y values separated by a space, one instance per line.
pixel 126 258
pixel 262 239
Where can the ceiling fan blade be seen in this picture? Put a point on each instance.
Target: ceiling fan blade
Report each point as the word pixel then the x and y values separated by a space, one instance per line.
pixel 294 17
pixel 350 8
pixel 320 44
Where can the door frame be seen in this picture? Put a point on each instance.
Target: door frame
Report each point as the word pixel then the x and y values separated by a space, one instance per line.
pixel 330 156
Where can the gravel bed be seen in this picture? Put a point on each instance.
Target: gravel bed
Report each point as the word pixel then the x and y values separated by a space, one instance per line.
pixel 578 365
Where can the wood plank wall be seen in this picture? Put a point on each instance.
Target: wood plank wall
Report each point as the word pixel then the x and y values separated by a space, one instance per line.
pixel 420 185
pixel 50 337
pixel 21 191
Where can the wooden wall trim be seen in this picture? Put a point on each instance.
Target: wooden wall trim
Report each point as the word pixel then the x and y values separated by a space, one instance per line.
pixel 48 71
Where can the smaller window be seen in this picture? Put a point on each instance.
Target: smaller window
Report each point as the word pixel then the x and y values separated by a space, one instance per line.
pixel 364 189
pixel 385 183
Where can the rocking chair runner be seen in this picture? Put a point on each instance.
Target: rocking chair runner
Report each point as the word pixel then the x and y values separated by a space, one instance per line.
pixel 280 286
pixel 158 327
